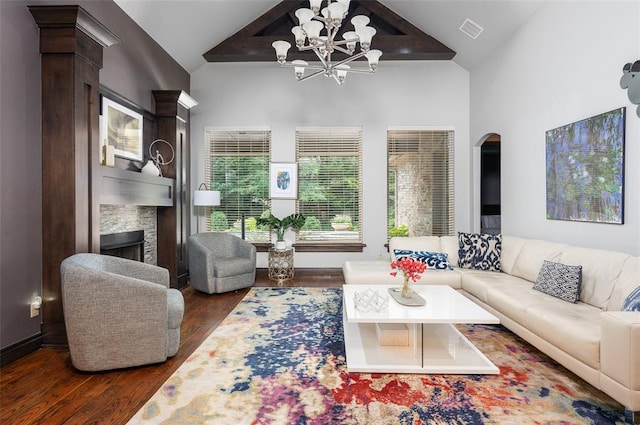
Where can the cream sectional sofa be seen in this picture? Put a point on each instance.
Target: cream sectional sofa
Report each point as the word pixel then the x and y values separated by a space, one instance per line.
pixel 593 338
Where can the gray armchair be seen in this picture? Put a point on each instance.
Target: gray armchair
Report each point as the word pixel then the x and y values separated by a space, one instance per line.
pixel 118 312
pixel 220 262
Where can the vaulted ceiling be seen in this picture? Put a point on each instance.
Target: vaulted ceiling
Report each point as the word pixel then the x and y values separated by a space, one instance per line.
pixel 395 36
pixel 189 29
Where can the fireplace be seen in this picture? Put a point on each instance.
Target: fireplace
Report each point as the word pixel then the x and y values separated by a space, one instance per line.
pixel 124 244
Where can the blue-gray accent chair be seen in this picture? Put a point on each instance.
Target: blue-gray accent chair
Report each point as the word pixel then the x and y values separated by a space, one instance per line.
pixel 118 312
pixel 220 262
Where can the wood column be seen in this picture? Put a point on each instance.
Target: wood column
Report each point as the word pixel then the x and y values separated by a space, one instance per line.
pixel 71 47
pixel 172 112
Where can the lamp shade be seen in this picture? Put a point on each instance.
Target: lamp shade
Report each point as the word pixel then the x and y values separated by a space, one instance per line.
pixel 206 198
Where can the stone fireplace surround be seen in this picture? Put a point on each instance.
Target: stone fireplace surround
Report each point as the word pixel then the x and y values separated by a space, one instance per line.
pixel 126 218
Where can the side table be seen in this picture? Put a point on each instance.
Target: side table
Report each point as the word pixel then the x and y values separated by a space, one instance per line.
pixel 280 264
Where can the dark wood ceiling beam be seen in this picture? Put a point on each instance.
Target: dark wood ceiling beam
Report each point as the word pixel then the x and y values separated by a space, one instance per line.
pixel 396 47
pixel 253 42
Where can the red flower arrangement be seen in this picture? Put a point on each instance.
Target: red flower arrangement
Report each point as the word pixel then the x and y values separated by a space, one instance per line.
pixel 409 267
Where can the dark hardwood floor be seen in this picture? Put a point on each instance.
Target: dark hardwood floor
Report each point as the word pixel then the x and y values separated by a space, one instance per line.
pixel 44 388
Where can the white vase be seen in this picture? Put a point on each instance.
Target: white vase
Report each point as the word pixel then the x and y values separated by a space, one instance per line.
pixel 150 169
pixel 281 244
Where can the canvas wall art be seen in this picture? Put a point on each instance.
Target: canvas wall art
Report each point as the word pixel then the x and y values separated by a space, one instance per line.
pixel 585 169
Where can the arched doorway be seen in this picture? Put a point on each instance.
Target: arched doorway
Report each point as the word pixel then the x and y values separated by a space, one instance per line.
pixel 490 220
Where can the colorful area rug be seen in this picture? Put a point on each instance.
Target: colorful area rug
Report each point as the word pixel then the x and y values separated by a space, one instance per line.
pixel 279 358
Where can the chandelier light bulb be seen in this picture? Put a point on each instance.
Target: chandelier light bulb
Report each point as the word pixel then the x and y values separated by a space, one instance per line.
pixel 312 29
pixel 281 50
pixel 366 34
pixel 359 22
pixel 336 12
pixel 299 67
pixel 351 38
pixel 373 56
pixel 315 5
pixel 346 4
pixel 304 16
pixel 341 71
pixel 301 37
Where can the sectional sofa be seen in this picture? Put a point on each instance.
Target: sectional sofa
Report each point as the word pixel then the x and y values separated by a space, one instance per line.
pixel 592 337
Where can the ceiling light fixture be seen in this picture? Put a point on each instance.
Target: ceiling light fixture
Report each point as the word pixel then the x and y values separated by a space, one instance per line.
pixel 307 35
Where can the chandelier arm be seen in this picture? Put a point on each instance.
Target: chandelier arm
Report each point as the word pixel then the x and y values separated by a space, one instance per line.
pixel 360 71
pixel 340 49
pixel 305 48
pixel 315 74
pixel 349 59
pixel 290 65
pixel 317 52
pixel 341 42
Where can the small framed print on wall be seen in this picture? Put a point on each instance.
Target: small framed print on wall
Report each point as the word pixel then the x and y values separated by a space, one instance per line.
pixel 283 180
pixel 121 128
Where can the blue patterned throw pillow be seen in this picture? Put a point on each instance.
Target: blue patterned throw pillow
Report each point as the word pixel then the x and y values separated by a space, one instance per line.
pixel 632 302
pixel 479 251
pixel 559 280
pixel 433 260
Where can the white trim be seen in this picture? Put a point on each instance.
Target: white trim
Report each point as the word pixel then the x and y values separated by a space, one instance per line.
pixel 238 128
pixel 421 128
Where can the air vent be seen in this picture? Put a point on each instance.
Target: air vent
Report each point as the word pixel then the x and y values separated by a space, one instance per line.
pixel 470 28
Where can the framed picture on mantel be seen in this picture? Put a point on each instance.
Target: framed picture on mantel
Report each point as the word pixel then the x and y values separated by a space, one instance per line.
pixel 121 128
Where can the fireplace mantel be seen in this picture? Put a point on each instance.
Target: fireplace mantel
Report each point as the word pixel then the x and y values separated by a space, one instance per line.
pixel 123 187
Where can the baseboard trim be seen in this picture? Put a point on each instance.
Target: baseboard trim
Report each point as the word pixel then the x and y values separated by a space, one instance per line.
pixel 20 349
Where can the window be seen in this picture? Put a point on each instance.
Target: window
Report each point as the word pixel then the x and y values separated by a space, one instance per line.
pixel 237 164
pixel 330 184
pixel 420 198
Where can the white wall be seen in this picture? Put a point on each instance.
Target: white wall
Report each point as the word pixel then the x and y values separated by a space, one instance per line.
pixel 432 93
pixel 564 65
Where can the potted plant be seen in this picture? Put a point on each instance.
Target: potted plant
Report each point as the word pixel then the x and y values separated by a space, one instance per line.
pixel 341 222
pixel 280 226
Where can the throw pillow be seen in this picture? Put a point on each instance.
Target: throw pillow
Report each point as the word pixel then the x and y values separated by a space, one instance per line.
pixel 479 251
pixel 559 280
pixel 632 302
pixel 433 260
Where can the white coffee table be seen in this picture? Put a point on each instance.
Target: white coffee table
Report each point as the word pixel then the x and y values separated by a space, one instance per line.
pixel 431 344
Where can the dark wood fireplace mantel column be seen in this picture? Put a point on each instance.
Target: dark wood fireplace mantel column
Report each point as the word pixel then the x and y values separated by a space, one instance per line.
pixel 172 112
pixel 71 47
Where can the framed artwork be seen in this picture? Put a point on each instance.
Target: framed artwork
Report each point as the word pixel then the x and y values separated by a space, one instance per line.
pixel 121 128
pixel 283 180
pixel 585 169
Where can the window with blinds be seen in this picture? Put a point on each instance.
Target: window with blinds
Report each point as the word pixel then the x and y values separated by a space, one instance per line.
pixel 237 164
pixel 420 186
pixel 330 184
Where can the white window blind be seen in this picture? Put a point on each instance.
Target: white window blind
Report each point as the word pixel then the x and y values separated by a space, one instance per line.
pixel 237 164
pixel 420 182
pixel 329 182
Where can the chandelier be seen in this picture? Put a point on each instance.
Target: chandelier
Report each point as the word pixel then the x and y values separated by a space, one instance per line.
pixel 308 37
